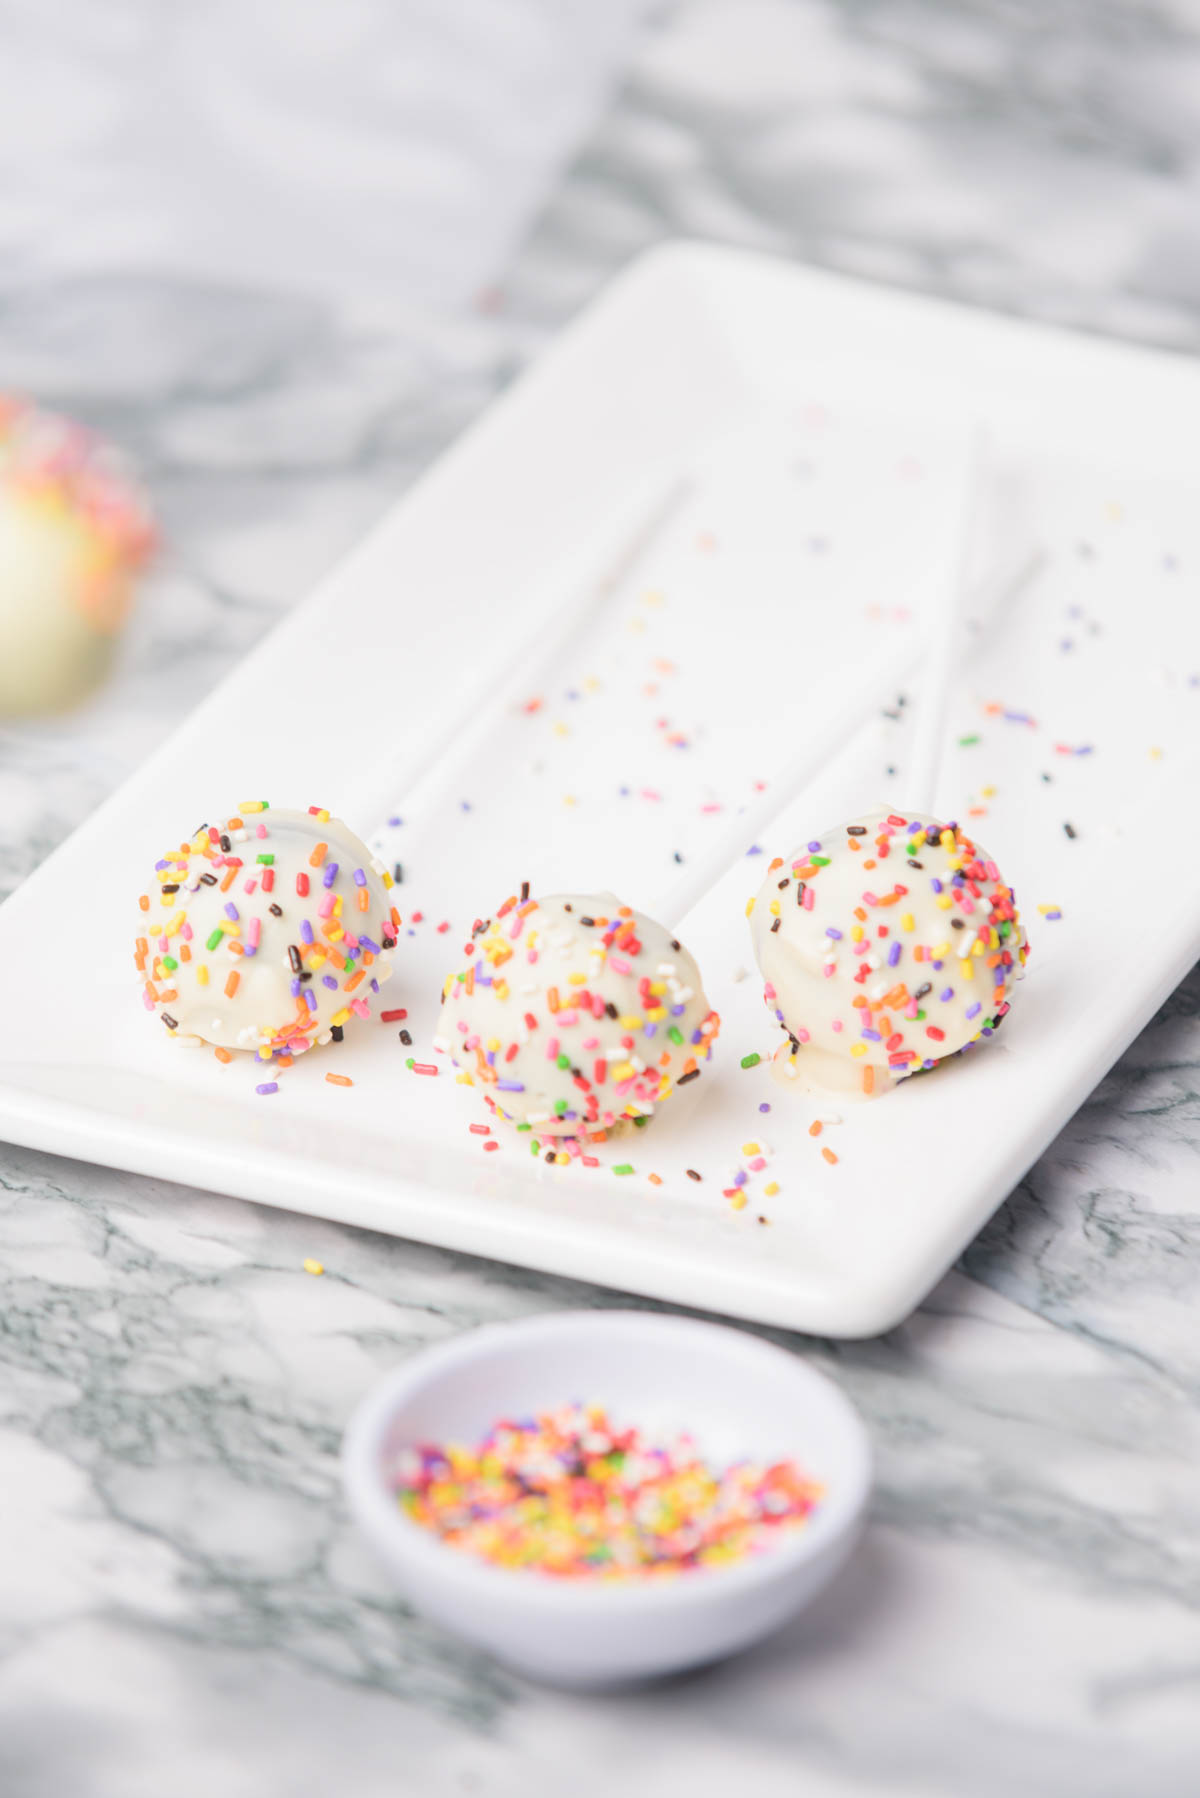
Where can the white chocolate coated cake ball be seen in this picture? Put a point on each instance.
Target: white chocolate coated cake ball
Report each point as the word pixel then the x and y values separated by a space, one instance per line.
pixel 886 944
pixel 74 534
pixel 267 931
pixel 575 1013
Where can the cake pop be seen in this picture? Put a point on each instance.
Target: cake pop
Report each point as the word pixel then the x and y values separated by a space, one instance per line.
pixel 74 534
pixel 266 932
pixel 575 1013
pixel 886 944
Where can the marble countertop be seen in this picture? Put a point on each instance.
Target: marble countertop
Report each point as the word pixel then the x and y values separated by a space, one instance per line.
pixel 283 255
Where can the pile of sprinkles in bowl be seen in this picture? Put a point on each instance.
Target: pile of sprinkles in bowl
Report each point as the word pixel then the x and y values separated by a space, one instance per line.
pixel 571 1495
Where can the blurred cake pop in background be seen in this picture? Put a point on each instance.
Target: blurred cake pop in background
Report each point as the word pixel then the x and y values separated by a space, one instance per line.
pixel 75 532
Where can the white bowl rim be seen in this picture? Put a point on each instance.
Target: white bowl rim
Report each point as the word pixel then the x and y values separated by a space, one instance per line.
pixel 375 1508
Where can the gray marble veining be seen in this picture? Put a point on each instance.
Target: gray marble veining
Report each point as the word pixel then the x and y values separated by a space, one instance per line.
pixel 183 1607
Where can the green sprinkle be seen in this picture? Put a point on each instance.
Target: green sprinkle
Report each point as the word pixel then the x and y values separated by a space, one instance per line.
pixel 751 1061
pixel 410 1061
pixel 268 861
pixel 563 1061
pixel 560 1105
pixel 966 742
pixel 820 861
pixel 640 1123
pixel 675 1033
pixel 626 1167
pixel 170 962
pixel 214 941
pixel 524 1126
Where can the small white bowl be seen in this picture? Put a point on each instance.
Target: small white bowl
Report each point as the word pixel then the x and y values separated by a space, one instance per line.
pixel 739 1397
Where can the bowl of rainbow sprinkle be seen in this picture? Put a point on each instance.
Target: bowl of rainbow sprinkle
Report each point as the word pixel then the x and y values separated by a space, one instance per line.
pixel 599 1498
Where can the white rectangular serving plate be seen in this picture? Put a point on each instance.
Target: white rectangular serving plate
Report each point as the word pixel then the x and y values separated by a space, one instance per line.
pixel 342 698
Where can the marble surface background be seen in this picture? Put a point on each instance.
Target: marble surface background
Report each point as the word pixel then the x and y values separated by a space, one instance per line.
pixel 283 254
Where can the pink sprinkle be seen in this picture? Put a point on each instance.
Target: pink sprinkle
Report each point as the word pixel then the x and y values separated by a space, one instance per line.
pixel 148 1002
pixel 552 1048
pixel 590 1160
pixel 253 932
pixel 489 1146
pixel 249 886
pixel 326 906
pixel 262 830
pixel 591 1042
pixel 836 1024
pixel 712 806
pixel 758 1164
pixel 361 1007
pixel 809 899
pixel 185 931
pixel 870 899
pixel 619 965
pixel 649 793
pixel 518 925
pixel 802 1036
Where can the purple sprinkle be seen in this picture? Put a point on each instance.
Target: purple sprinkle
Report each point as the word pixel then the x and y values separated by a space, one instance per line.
pixel 696 1037
pixel 491 1058
pixel 310 999
pixel 306 931
pixel 268 1086
pixel 374 986
pixel 740 1178
pixel 365 942
pixel 754 849
pixel 677 1011
pixel 894 954
pixel 813 848
pixel 650 1030
pixel 510 1086
pixel 764 1106
pixel 159 865
pixel 973 1011
pixel 872 1036
pixel 330 874
pixel 394 821
pixel 329 981
pixel 835 934
pixel 936 884
pixel 360 879
pixel 948 994
pixel 231 911
pixel 1085 750
pixel 296 989
pixel 938 966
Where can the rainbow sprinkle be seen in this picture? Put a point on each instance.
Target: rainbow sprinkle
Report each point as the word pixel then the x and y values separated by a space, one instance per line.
pixel 569 1495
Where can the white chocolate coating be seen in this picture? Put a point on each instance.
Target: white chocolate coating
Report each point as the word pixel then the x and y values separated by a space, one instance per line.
pixel 576 1013
pixel 235 952
pixel 883 950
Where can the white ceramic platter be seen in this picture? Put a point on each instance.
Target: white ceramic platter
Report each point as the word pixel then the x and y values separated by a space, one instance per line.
pixel 796 405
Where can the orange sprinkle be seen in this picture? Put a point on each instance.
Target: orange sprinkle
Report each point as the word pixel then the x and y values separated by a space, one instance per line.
pixel 356 979
pixel 868 1079
pixel 144 902
pixel 222 1054
pixel 830 1157
pixel 234 947
pixel 654 1179
pixel 870 862
pixel 339 1080
pixel 231 875
pixel 364 898
pixel 777 863
pixel 816 1127
pixel 552 998
pixel 232 983
pixel 860 914
pixel 318 855
pixel 185 953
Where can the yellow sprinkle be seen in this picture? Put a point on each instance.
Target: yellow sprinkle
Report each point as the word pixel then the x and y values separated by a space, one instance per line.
pixel 947 839
pixel 943 902
pixel 857 933
pixel 751 1148
pixel 310 1266
pixel 561 1159
pixel 252 805
pixel 770 1189
pixel 941 952
pixel 562 730
pixel 976 947
pixel 858 1048
pixel 630 1021
pixel 738 1201
pixel 463 1080
pixel 908 922
pixel 749 906
pixel 988 792
pixel 967 969
pixel 591 683
pixel 202 975
pixel 624 1072
pixel 340 1017
pixel 774 908
pixel 1045 908
pixel 387 880
pixel 577 979
pixel 568 798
